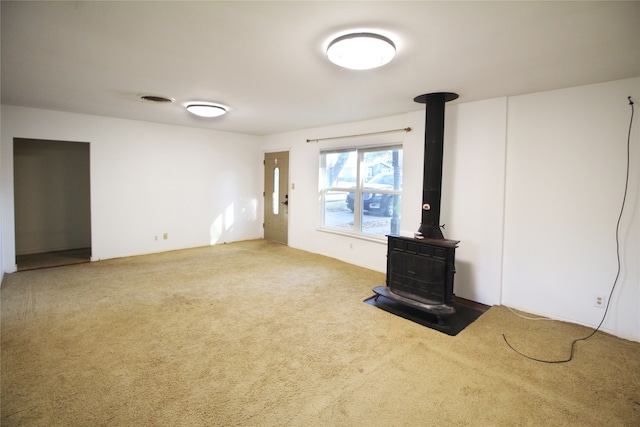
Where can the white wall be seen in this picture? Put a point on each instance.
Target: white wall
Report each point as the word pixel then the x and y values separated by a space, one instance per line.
pixel 473 195
pixel 199 186
pixel 565 182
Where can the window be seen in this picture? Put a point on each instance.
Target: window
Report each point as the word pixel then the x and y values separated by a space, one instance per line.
pixel 275 201
pixel 361 190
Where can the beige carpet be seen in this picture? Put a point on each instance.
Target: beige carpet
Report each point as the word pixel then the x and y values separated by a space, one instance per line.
pixel 258 334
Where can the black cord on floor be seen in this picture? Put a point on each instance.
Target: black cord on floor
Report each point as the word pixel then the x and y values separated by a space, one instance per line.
pixel 615 282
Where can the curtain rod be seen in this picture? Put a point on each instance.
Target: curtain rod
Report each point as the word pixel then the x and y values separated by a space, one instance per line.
pixel 360 134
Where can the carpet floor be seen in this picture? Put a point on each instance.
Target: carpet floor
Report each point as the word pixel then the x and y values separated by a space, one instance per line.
pixel 259 334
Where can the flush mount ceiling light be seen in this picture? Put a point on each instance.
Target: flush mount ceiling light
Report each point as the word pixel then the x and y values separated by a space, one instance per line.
pixel 361 51
pixel 204 109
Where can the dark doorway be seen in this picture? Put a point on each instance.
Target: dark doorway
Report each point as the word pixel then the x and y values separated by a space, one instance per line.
pixel 52 202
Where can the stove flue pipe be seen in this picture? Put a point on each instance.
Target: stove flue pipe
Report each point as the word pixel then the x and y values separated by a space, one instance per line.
pixel 433 153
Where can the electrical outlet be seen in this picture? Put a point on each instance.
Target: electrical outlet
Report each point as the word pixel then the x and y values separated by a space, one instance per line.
pixel 165 236
pixel 155 238
pixel 599 301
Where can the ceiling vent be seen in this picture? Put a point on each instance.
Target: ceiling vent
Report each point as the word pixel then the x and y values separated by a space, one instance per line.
pixel 156 99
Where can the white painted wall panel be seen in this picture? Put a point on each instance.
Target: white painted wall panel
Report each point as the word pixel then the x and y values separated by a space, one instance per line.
pixel 473 195
pixel 565 182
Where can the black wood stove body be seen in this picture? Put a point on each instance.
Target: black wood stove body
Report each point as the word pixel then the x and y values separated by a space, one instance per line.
pixel 420 270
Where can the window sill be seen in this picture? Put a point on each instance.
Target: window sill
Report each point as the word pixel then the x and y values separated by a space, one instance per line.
pixel 359 236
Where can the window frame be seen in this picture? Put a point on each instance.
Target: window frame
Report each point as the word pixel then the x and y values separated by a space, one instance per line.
pixel 358 190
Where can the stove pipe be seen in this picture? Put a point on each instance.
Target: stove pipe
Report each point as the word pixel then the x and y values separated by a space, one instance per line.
pixel 433 152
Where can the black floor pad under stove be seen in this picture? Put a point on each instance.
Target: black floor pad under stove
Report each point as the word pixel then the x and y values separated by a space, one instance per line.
pixel 450 325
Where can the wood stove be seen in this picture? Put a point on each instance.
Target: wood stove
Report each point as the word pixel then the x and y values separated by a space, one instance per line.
pixel 420 270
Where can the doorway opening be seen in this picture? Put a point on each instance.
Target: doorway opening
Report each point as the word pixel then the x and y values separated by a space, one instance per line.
pixel 52 203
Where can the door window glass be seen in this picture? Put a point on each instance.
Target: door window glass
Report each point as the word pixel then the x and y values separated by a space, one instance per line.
pixel 276 191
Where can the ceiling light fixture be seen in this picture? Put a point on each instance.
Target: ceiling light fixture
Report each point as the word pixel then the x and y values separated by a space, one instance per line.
pixel 361 51
pixel 204 109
